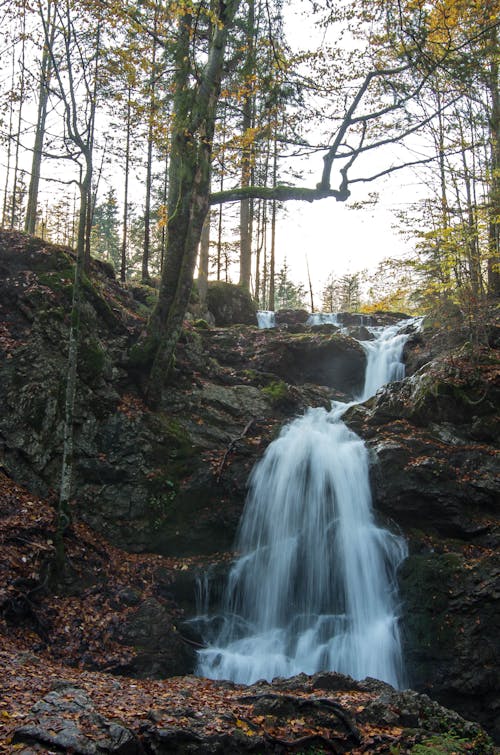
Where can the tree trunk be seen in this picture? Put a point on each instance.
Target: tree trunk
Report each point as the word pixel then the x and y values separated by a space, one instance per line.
pixel 195 109
pixel 19 123
pixel 9 141
pixel 203 264
pixel 43 100
pixel 123 265
pixel 494 194
pixel 64 513
pixel 146 251
pixel 246 160
pixel 272 261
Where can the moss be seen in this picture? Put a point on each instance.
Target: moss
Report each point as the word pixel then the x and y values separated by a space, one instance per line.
pixel 230 304
pixel 160 504
pixel 426 583
pixel 276 391
pixel 45 257
pixel 450 743
pixel 91 359
pixel 59 281
pixel 145 295
pixel 201 323
pixel 173 429
pixel 141 354
pixel 98 302
pixel 37 412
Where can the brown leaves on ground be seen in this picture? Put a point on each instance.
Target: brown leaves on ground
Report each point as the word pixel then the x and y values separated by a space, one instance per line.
pixel 80 620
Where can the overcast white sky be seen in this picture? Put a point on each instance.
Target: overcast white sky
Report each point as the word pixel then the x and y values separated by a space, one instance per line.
pixel 335 237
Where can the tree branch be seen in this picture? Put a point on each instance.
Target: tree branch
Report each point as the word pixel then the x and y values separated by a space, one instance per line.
pixel 280 193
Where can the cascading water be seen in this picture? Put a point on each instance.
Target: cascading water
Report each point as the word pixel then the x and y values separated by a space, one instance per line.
pixel 315 587
pixel 323 318
pixel 266 319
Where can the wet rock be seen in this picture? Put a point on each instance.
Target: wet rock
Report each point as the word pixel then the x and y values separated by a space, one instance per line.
pixel 335 361
pixel 291 317
pixel 435 474
pixel 361 333
pixel 452 628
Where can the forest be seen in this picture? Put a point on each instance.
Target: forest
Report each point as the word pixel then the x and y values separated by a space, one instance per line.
pixel 241 510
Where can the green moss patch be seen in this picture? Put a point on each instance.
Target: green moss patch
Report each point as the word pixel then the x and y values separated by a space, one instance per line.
pixel 91 359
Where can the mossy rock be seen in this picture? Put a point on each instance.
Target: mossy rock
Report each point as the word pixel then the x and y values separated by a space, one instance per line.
pixel 91 359
pixel 450 743
pixel 146 295
pixel 278 393
pixel 230 304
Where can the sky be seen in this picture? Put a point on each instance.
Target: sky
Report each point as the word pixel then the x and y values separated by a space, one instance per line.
pixel 335 237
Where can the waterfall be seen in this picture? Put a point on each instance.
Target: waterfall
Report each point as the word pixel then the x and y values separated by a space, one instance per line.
pixel 266 319
pixel 314 587
pixel 323 318
pixel 383 356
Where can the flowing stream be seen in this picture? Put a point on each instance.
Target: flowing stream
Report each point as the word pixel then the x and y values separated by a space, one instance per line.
pixel 315 585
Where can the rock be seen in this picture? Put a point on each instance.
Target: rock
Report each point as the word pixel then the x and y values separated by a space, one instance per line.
pixel 353 318
pixel 58 716
pixel 436 475
pixel 159 649
pixel 361 333
pixel 451 624
pixel 230 304
pixel 291 317
pixel 331 360
pixel 328 712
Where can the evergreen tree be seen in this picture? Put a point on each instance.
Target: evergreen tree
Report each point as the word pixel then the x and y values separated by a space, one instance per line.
pixel 104 239
pixel 288 295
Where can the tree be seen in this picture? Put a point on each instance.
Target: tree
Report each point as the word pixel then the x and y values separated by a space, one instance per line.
pixel 43 101
pixel 104 241
pixel 200 43
pixel 75 69
pixel 342 294
pixel 289 295
pixel 195 99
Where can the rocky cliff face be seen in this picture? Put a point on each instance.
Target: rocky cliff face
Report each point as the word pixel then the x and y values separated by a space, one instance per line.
pixel 173 481
pixel 434 440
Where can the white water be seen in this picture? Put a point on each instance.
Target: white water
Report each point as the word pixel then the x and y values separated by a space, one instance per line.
pixel 315 587
pixel 321 318
pixel 266 319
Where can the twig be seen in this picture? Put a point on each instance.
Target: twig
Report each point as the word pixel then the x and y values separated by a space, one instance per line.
pixel 231 447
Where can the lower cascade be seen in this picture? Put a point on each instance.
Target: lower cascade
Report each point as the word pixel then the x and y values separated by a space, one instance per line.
pixel 314 587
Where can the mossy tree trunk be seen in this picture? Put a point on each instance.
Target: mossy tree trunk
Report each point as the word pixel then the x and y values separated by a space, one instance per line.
pixel 64 513
pixel 494 209
pixel 194 114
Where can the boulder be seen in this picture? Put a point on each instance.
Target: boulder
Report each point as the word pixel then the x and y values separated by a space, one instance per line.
pixel 230 304
pixel 291 317
pixel 331 360
pixel 58 719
